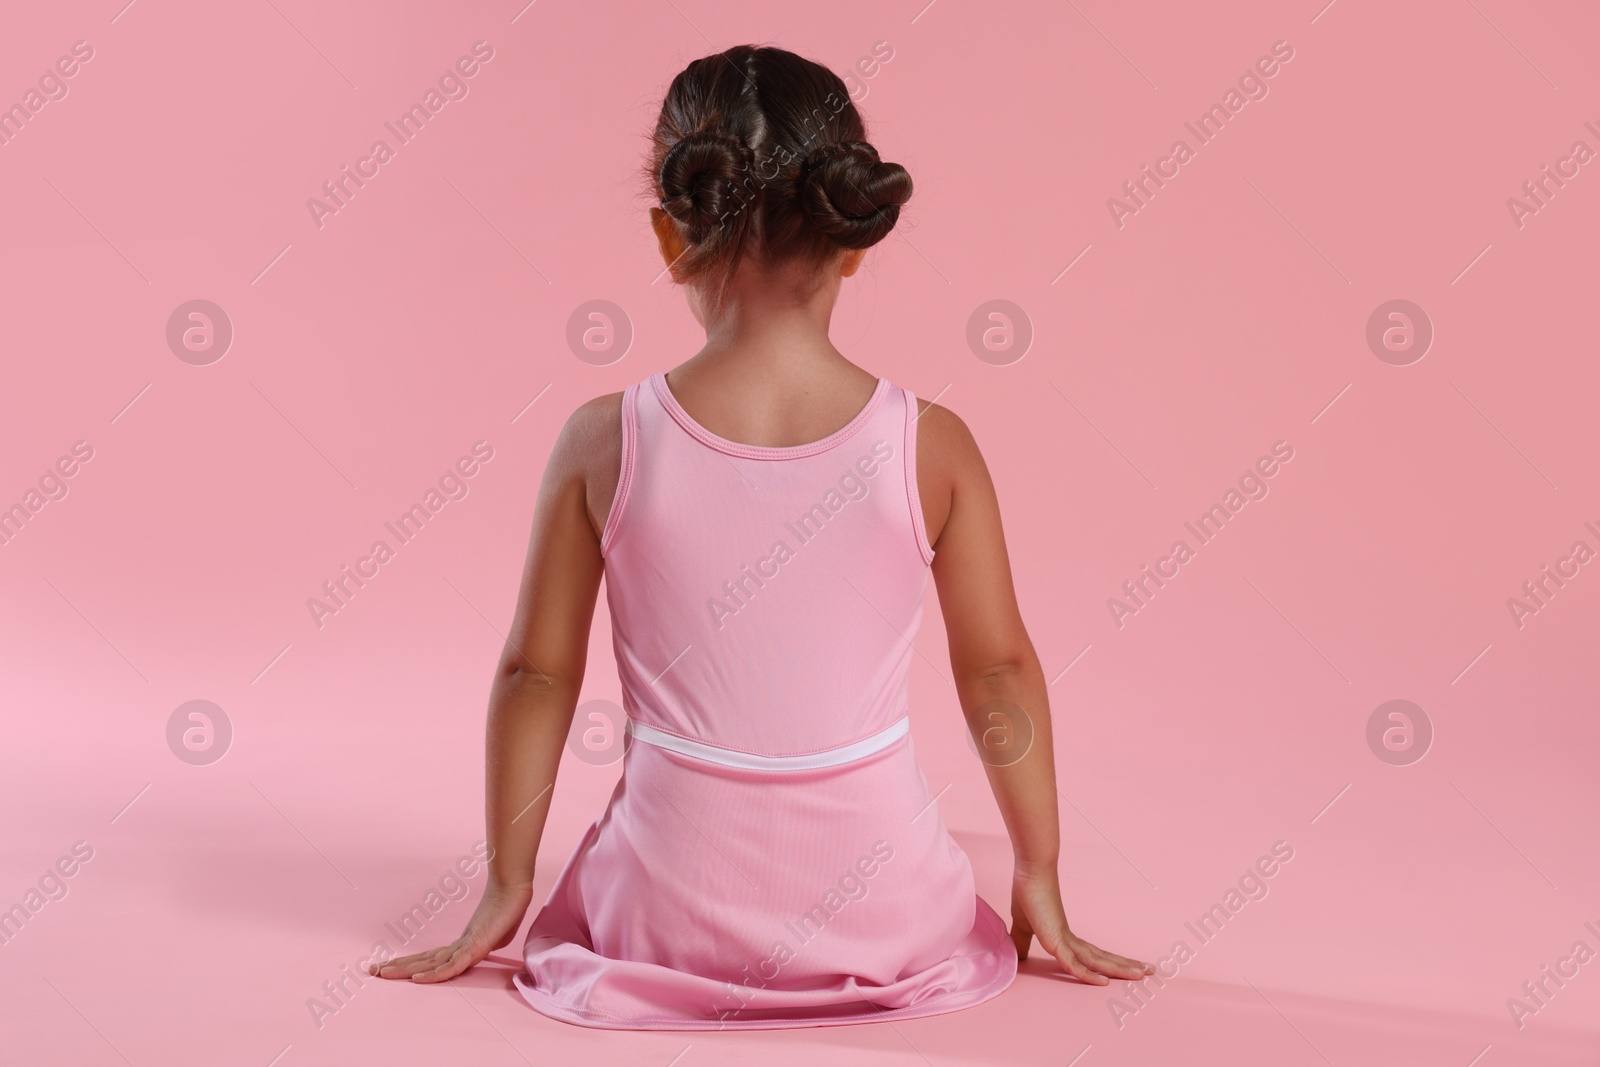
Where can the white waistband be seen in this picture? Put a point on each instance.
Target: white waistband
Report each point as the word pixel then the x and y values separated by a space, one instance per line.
pixel 729 757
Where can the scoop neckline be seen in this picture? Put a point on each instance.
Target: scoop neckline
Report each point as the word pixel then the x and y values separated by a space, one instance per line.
pixel 739 448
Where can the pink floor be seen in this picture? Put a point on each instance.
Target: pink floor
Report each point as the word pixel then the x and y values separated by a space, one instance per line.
pixel 1168 349
pixel 217 904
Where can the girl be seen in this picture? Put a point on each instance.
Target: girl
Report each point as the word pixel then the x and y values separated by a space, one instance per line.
pixel 766 516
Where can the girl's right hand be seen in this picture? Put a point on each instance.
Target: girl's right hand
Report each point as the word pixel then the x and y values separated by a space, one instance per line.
pixel 492 926
pixel 1036 911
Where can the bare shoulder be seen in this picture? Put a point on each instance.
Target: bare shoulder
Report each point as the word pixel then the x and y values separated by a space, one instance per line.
pixel 595 425
pixel 945 444
pixel 948 464
pixel 588 453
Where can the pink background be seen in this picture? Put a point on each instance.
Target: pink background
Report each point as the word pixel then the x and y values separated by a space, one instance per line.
pixel 1224 316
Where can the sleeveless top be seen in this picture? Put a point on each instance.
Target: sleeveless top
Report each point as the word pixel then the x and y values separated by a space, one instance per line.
pixel 765 599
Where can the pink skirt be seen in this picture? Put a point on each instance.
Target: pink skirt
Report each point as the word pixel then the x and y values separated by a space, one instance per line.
pixel 711 897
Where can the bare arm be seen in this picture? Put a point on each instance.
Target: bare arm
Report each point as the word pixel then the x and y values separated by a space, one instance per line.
pixel 536 684
pixel 540 673
pixel 1001 686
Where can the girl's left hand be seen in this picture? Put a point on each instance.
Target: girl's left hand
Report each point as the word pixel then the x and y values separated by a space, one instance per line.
pixel 1036 911
pixel 493 924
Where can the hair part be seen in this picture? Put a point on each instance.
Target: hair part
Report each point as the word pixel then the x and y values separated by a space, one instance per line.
pixel 759 153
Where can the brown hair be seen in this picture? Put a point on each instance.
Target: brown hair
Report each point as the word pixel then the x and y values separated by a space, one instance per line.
pixel 760 152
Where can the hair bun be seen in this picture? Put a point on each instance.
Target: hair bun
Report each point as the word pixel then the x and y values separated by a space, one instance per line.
pixel 701 178
pixel 852 195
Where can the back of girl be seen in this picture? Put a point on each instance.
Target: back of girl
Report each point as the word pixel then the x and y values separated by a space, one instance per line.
pixel 766 516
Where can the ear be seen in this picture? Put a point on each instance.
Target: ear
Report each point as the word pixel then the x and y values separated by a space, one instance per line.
pixel 667 235
pixel 851 262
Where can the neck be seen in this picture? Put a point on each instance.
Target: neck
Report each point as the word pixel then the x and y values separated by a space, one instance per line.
pixel 766 325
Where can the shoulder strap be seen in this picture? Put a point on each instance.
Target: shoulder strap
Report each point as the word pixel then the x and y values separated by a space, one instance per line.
pixel 909 462
pixel 630 439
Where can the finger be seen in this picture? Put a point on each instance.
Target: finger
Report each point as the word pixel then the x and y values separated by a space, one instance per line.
pixel 406 966
pixel 1108 966
pixel 1080 970
pixel 1114 957
pixel 454 964
pixel 392 968
pixel 1124 961
pixel 1111 959
pixel 459 959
